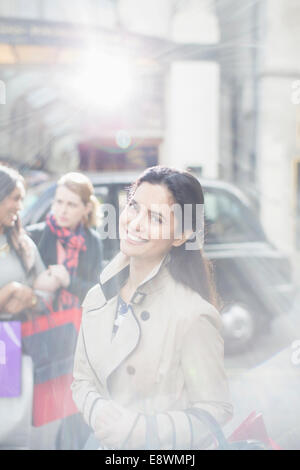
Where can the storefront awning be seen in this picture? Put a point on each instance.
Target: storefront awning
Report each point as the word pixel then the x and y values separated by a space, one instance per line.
pixel 36 42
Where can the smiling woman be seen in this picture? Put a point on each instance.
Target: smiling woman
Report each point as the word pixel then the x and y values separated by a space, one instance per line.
pixel 24 284
pixel 21 268
pixel 150 352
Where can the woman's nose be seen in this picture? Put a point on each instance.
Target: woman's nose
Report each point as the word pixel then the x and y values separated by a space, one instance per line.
pixel 138 223
pixel 63 208
pixel 19 205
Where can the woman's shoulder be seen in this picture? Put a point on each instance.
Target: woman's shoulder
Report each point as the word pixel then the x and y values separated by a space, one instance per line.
pixel 94 299
pixel 93 234
pixel 191 306
pixel 25 237
pixel 94 244
pixel 36 227
pixel 92 231
pixel 36 231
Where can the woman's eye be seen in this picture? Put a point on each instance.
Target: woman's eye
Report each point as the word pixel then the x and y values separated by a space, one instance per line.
pixel 156 219
pixel 132 205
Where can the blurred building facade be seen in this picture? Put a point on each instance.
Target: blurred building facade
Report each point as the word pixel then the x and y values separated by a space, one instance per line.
pixel 278 123
pixel 41 43
pixel 216 87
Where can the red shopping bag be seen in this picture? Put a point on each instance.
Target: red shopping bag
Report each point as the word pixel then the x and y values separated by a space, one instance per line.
pixel 253 427
pixel 52 400
pixel 50 340
pixel 44 322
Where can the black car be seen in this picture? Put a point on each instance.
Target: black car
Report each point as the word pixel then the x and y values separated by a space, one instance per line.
pixel 253 278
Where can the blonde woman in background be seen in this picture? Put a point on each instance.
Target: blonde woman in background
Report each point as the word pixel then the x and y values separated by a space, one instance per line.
pixel 70 248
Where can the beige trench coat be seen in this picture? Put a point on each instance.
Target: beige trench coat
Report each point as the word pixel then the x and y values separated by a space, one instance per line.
pixel 166 356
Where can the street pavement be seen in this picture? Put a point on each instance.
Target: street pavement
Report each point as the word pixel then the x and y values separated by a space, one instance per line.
pixel 266 378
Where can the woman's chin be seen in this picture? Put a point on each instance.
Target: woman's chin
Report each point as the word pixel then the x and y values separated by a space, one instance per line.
pixel 124 248
pixel 63 224
pixel 10 223
pixel 129 249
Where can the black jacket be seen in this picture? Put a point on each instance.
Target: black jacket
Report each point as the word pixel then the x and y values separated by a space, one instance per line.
pixel 89 262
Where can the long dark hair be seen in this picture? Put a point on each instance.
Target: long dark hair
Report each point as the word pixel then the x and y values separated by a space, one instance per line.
pixel 9 178
pixel 188 267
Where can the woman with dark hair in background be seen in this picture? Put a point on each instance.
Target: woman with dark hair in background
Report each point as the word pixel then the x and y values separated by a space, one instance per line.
pixel 150 354
pixel 22 271
pixel 24 283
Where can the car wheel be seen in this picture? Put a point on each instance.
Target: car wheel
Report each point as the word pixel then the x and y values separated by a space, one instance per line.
pixel 238 327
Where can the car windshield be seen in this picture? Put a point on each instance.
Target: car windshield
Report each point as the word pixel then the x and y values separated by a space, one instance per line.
pixel 33 194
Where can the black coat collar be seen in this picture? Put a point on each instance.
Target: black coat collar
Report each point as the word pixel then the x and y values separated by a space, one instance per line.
pixel 116 273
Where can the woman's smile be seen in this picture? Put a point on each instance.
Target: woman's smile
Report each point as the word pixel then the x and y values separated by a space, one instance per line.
pixel 13 216
pixel 135 239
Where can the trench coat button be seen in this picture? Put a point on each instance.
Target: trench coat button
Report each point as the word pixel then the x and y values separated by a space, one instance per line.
pixel 145 315
pixel 130 370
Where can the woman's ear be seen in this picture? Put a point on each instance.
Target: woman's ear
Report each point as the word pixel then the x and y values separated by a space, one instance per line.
pixel 88 210
pixel 184 237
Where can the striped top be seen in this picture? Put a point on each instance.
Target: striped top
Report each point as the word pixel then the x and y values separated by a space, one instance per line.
pixel 122 309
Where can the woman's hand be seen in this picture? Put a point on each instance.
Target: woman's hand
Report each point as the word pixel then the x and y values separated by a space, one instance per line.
pixel 14 306
pixel 6 293
pixel 114 424
pixel 21 297
pixel 61 273
pixel 47 282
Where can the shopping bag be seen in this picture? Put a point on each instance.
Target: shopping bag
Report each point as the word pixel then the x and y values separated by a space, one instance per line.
pixel 250 435
pixel 51 340
pixel 253 427
pixel 10 358
pixel 52 351
pixel 16 412
pixel 52 400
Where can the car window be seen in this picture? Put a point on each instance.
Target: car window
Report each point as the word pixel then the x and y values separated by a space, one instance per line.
pixel 32 196
pixel 114 194
pixel 228 220
pixel 122 199
pixel 101 194
pixel 30 199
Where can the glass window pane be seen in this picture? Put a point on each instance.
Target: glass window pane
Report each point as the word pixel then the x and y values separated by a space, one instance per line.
pixel 228 220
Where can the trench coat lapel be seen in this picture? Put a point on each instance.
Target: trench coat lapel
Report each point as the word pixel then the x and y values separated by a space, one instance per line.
pixel 112 352
pixel 98 327
pixel 123 344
